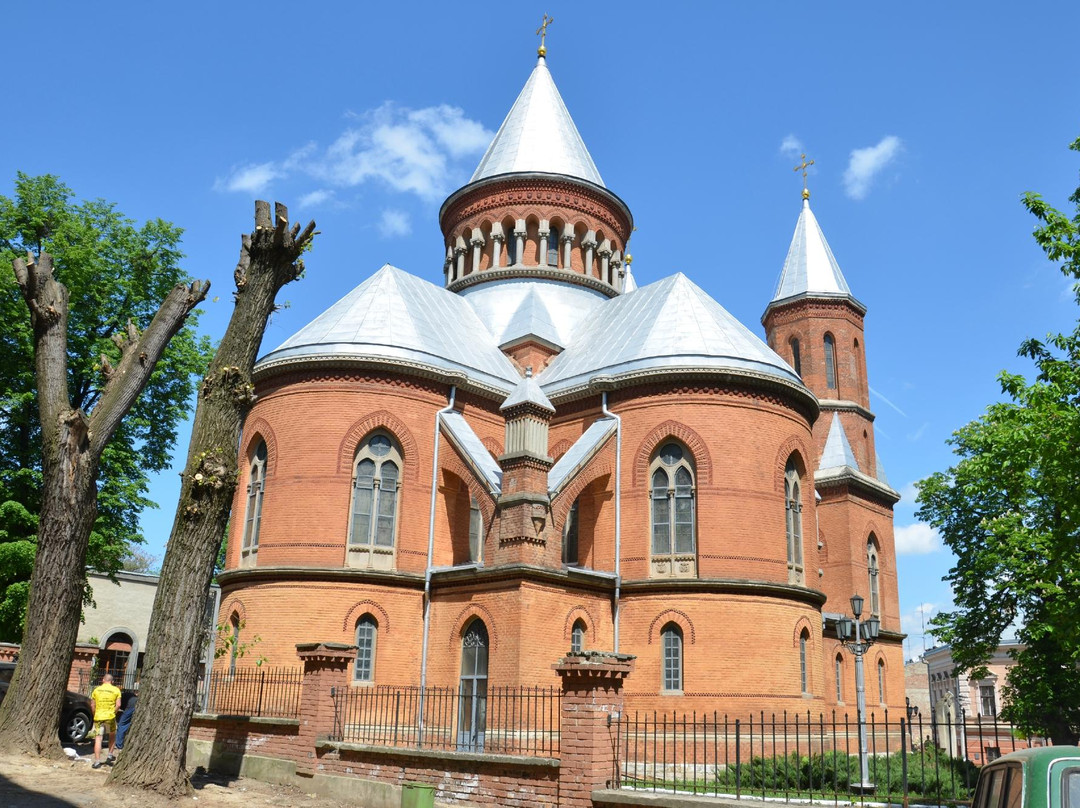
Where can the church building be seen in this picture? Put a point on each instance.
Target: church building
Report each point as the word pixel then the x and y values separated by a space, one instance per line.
pixel 470 479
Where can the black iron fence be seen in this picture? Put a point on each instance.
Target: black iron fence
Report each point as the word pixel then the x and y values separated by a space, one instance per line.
pixel 260 692
pixel 503 720
pixel 123 678
pixel 806 758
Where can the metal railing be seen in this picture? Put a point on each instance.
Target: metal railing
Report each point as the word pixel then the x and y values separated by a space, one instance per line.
pixel 258 692
pixel 122 678
pixel 501 720
pixel 806 758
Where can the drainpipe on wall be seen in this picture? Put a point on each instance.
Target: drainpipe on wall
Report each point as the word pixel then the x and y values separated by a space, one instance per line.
pixel 618 512
pixel 431 543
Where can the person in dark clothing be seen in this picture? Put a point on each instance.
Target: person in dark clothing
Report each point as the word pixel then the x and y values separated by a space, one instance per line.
pixel 123 724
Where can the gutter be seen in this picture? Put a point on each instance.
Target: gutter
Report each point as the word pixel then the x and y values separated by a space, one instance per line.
pixel 618 513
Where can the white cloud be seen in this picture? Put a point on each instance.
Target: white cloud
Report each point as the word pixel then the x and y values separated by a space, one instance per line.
pixel 916 539
pixel 908 494
pixel 249 179
pixel 394 223
pixel 409 150
pixel 866 164
pixel 791 146
pixel 315 198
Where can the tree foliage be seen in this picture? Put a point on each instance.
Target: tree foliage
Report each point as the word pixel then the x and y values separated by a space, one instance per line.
pixel 1010 511
pixel 115 270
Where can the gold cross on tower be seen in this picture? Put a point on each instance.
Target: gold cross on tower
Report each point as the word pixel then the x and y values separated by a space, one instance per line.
pixel 802 167
pixel 542 33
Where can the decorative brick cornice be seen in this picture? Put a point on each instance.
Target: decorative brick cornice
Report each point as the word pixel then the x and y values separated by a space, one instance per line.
pixel 595 665
pixel 547 273
pixel 801 305
pixel 332 652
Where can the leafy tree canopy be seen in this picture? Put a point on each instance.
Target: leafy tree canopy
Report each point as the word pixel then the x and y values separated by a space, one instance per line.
pixel 115 270
pixel 1010 511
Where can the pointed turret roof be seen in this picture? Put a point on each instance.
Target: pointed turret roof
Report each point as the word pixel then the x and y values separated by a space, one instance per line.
pixel 538 135
pixel 528 392
pixel 810 267
pixel 837 452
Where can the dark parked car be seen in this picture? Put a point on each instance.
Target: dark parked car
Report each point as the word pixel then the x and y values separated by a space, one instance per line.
pixel 1048 777
pixel 77 716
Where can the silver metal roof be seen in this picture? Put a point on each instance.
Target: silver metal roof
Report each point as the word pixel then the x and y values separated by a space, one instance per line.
pixel 810 267
pixel 879 469
pixel 400 319
pixel 671 324
pixel 538 135
pixel 515 308
pixel 629 282
pixel 583 450
pixel 474 450
pixel 527 392
pixel 837 452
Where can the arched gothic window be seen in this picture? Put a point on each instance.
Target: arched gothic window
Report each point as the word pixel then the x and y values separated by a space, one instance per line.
pixel 793 509
pixel 373 523
pixel 671 643
pixel 804 672
pixel 796 357
pixel 839 679
pixel 873 574
pixel 366 630
pixel 570 536
pixel 881 680
pixel 476 531
pixel 671 492
pixel 830 362
pixel 249 547
pixel 577 637
pixel 234 643
pixel 472 711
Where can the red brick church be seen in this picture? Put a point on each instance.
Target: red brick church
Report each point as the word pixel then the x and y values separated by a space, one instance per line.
pixel 469 479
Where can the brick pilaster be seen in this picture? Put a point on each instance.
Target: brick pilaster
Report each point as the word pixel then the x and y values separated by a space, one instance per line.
pixel 592 699
pixel 326 667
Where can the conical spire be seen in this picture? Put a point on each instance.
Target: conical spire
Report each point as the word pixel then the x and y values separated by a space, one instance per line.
pixel 810 268
pixel 837 452
pixel 538 135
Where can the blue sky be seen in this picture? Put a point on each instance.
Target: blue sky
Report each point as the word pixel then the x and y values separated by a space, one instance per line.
pixel 926 122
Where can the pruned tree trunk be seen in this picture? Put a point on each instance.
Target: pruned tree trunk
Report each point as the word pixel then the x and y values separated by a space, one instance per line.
pixel 71 453
pixel 155 750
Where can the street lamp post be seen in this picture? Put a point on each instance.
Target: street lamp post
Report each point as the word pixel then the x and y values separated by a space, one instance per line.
pixel 857 636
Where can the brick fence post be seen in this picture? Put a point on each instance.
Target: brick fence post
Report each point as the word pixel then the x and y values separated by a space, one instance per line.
pixel 592 699
pixel 326 668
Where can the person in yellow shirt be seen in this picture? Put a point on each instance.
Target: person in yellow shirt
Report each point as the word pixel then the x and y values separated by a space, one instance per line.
pixel 105 697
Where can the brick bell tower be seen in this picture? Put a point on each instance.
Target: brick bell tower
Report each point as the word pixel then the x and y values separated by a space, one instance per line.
pixel 816 324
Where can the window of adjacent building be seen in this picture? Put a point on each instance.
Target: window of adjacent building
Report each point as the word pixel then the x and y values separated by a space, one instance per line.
pixel 872 572
pixel 373 522
pixel 577 637
pixel 671 495
pixel 366 629
pixel 796 358
pixel 249 546
pixel 881 680
pixel 804 673
pixel 476 531
pixel 839 678
pixel 987 700
pixel 671 643
pixel 793 508
pixel 830 362
pixel 570 536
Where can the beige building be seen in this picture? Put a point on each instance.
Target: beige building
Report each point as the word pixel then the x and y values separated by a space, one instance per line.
pixel 971 698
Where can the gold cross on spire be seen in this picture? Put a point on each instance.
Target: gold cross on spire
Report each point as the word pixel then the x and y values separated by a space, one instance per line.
pixel 802 167
pixel 542 33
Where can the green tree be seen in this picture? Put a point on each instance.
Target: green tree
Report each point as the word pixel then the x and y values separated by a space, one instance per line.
pixel 1010 511
pixel 114 270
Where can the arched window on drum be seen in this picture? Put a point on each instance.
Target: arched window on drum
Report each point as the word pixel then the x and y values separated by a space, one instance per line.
pixel 377 472
pixel 672 513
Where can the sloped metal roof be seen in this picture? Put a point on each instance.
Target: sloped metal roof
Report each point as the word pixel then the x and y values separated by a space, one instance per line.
pixel 837 452
pixel 474 450
pixel 538 134
pixel 514 308
pixel 810 267
pixel 527 392
pixel 397 318
pixel 583 450
pixel 671 324
pixel 879 469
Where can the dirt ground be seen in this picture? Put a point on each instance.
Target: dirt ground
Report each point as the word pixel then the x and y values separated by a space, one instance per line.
pixel 33 783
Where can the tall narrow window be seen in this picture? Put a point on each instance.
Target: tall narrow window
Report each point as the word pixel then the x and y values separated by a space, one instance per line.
pixel 796 358
pixel 570 536
pixel 671 643
pixel 366 629
pixel 672 509
pixel 872 574
pixel 839 679
pixel 881 680
pixel 830 362
pixel 577 637
pixel 249 547
pixel 472 709
pixel 373 525
pixel 793 509
pixel 234 642
pixel 476 531
pixel 804 677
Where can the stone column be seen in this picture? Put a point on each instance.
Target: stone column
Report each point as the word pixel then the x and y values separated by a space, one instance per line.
pixel 592 700
pixel 477 243
pixel 520 232
pixel 604 251
pixel 326 671
pixel 545 231
pixel 497 237
pixel 589 243
pixel 459 255
pixel 567 242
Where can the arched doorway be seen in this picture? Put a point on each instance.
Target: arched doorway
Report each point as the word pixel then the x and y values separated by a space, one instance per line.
pixel 472 710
